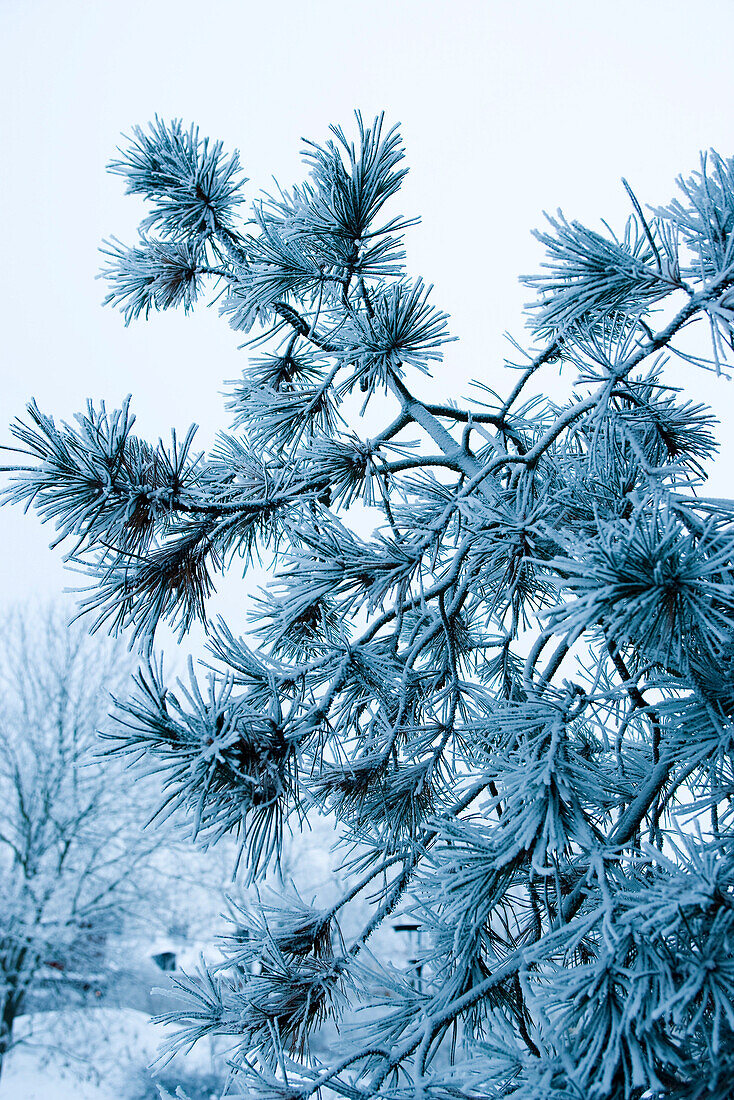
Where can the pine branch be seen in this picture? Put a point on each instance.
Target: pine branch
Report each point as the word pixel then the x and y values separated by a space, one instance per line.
pixel 401 669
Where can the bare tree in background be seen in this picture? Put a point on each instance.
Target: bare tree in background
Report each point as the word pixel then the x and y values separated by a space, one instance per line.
pixel 76 866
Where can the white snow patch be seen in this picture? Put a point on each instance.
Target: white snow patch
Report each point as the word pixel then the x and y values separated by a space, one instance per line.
pixel 102 1050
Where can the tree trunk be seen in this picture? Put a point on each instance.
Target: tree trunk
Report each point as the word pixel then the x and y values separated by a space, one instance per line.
pixel 10 1008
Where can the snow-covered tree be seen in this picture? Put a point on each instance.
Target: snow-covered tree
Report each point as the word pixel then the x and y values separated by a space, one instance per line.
pixel 516 694
pixel 77 870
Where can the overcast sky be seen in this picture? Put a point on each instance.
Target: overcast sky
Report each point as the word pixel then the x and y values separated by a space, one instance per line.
pixel 508 107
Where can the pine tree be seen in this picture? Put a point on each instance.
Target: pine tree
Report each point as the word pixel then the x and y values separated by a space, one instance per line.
pixel 516 695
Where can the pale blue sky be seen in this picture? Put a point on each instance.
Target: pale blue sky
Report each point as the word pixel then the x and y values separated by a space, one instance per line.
pixel 508 108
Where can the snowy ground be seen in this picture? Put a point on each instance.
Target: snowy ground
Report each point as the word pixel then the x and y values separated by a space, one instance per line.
pixel 105 1053
pixel 26 1080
